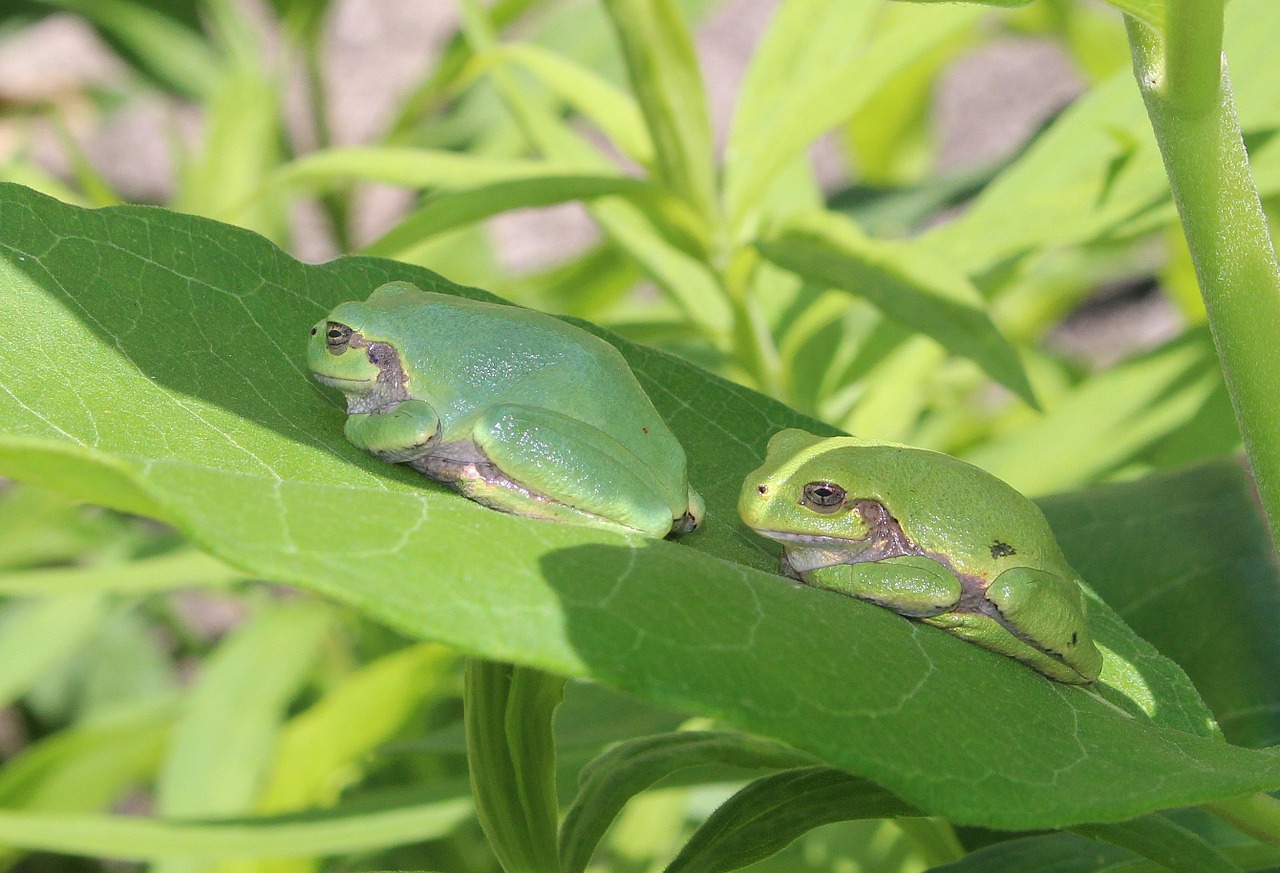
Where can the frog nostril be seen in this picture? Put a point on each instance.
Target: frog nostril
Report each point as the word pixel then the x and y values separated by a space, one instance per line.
pixel 763 489
pixel 313 331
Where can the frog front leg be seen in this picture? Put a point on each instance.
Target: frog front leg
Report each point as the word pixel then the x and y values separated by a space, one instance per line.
pixel 549 465
pixel 405 432
pixel 911 585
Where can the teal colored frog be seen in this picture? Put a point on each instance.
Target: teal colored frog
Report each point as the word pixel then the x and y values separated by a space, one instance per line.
pixel 928 536
pixel 515 409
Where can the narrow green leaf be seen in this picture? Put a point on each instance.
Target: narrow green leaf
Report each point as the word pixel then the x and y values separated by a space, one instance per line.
pixel 455 209
pixel 829 100
pixel 35 636
pixel 334 832
pixel 1163 841
pixel 243 452
pixel 664 74
pixel 184 568
pixel 1107 420
pixel 766 816
pixel 511 754
pixel 626 769
pixel 227 736
pixel 240 147
pixel 121 664
pixel 1003 3
pixel 24 171
pixel 178 55
pixel 805 40
pixel 319 747
pixel 412 167
pixel 86 767
pixel 923 293
pixel 1150 11
pixel 605 105
pixel 1097 166
pixel 688 281
pixel 1046 853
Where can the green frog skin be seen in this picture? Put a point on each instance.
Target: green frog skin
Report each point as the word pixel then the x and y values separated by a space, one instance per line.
pixel 928 536
pixel 513 408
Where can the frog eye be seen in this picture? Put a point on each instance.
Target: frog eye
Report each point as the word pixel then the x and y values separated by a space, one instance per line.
pixel 337 336
pixel 823 496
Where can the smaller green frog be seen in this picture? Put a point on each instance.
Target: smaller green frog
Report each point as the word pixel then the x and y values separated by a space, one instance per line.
pixel 930 537
pixel 515 409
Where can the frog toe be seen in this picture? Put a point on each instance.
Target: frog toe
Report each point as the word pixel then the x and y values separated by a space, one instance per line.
pixel 693 516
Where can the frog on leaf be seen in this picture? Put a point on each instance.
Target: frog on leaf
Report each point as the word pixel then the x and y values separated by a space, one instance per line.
pixel 928 536
pixel 516 409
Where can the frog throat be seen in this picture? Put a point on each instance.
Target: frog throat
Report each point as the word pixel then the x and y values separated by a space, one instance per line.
pixel 391 386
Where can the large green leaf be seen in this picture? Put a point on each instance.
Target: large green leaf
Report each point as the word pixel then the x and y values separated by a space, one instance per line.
pixel 159 368
pixel 1200 581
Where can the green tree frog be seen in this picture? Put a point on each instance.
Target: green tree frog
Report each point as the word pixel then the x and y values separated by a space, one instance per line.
pixel 930 537
pixel 513 408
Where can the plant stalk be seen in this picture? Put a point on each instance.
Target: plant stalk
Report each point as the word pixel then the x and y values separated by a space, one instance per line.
pixel 508 711
pixel 1257 815
pixel 1187 92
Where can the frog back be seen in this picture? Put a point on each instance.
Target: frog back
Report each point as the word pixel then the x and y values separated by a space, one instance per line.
pixel 950 507
pixel 465 357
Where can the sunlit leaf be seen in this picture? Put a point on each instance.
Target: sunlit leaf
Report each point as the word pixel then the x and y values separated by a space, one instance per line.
pixel 828 250
pixel 235 444
pixel 767 815
pixel 626 769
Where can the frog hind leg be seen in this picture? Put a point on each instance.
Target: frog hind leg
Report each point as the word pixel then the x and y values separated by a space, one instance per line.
pixel 911 585
pixel 1048 611
pixel 586 476
pixel 985 631
pixel 403 433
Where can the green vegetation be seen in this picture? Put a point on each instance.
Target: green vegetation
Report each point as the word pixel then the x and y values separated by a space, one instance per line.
pixel 273 679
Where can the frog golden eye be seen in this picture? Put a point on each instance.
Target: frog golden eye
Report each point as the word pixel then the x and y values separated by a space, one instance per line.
pixel 337 336
pixel 823 496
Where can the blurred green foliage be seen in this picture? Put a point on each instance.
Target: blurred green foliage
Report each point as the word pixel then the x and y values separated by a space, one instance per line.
pixel 899 301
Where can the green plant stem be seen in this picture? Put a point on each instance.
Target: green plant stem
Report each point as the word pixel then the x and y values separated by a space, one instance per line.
pixel 1226 229
pixel 1257 815
pixel 508 712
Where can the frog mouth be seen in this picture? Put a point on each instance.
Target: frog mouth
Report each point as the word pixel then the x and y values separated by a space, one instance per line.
pixel 810 539
pixel 338 381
